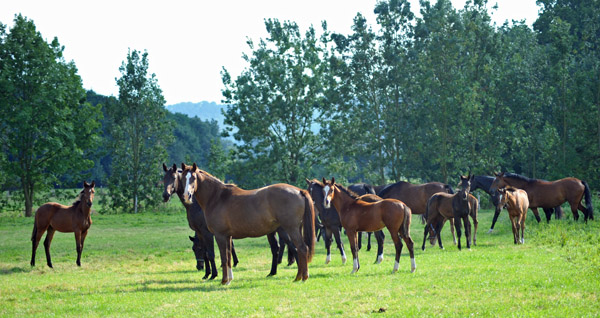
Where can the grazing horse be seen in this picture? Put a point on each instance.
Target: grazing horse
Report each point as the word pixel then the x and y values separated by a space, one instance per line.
pixel 362 189
pixel 456 206
pixel 235 213
pixel 54 217
pixel 516 203
pixel 548 194
pixel 485 182
pixel 359 215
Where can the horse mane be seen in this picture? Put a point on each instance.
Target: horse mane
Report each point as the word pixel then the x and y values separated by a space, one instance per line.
pixel 519 177
pixel 77 199
pixel 349 192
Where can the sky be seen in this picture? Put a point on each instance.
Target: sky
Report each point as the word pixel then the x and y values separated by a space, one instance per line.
pixel 190 41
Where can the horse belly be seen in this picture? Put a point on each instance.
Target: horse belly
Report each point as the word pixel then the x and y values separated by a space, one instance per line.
pixel 62 222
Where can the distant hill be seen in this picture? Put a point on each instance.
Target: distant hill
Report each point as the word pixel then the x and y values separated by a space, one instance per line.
pixel 202 110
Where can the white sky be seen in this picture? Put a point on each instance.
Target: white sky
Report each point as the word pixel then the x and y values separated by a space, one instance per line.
pixel 188 42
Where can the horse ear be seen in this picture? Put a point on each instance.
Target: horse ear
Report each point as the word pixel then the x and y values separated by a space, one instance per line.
pixel 85 184
pixel 332 180
pixel 191 238
pixel 182 166
pixel 194 167
pixel 164 167
pixel 307 181
pixel 93 183
pixel 324 181
pixel 496 174
pixel 174 167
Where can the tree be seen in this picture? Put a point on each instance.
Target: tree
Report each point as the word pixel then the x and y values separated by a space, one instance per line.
pixel 274 104
pixel 46 128
pixel 140 134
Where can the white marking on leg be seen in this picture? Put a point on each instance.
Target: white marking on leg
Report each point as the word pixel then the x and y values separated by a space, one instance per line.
pixel 344 259
pixel 396 265
pixel 490 231
pixel 355 267
pixel 230 271
pixel 413 265
pixel 328 259
pixel 379 258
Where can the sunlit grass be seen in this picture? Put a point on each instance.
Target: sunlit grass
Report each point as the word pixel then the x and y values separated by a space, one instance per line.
pixel 142 266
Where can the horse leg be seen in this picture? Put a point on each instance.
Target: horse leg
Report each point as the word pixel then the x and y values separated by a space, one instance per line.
pixel 352 238
pixel 369 241
pixel 458 231
pixel 340 244
pixel 496 214
pixel 274 252
pixel 36 236
pixel 515 230
pixel 452 227
pixel 410 244
pixel 397 245
pixel 425 234
pixel 78 246
pixel 233 254
pixel 209 246
pixel 522 217
pixel 47 242
pixel 359 235
pixel 295 236
pixel 475 223
pixel 440 223
pixel 536 214
pixel 380 237
pixel 83 236
pixel 583 210
pixel 467 224
pixel 548 212
pixel 328 238
pixel 223 242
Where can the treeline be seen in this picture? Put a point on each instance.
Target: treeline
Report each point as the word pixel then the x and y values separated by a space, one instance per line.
pixel 421 98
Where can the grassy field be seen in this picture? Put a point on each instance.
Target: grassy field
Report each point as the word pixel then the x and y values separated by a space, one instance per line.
pixel 142 266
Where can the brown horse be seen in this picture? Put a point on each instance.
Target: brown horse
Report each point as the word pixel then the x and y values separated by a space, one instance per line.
pixel 516 203
pixel 549 194
pixel 54 217
pixel 235 213
pixel 359 215
pixel 442 206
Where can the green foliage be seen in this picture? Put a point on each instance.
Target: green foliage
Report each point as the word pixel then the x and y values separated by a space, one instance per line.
pixel 193 139
pixel 140 132
pixel 47 130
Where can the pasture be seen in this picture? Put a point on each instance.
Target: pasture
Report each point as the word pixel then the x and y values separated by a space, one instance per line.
pixel 142 265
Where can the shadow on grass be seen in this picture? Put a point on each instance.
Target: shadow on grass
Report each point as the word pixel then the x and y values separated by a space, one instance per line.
pixel 14 270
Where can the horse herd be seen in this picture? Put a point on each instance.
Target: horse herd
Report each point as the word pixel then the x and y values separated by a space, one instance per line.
pixel 221 212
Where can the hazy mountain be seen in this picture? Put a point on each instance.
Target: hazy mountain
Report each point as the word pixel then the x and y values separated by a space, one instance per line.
pixel 202 110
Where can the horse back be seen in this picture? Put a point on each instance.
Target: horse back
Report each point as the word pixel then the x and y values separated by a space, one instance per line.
pixel 440 204
pixel 415 196
pixel 61 217
pixel 548 194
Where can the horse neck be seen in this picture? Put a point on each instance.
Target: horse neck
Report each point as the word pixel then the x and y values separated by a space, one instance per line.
pixel 483 183
pixel 83 208
pixel 341 200
pixel 516 183
pixel 208 192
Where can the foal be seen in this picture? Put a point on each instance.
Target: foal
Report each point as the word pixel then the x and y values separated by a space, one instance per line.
pixel 517 203
pixel 54 217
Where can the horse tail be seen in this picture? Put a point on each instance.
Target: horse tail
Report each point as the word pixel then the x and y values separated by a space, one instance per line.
pixel 405 229
pixel 588 200
pixel 448 188
pixel 309 224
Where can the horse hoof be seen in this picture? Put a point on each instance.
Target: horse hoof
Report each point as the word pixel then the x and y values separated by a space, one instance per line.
pixel 270 274
pixel 344 260
pixel 490 231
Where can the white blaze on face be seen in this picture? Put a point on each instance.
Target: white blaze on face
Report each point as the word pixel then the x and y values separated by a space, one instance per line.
pixel 187 184
pixel 326 203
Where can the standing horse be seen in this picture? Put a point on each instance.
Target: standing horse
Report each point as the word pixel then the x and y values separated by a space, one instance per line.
pixel 485 182
pixel 362 189
pixel 358 215
pixel 458 206
pixel 54 217
pixel 548 194
pixel 516 203
pixel 235 213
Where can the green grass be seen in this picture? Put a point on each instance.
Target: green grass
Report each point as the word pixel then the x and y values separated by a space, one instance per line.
pixel 142 266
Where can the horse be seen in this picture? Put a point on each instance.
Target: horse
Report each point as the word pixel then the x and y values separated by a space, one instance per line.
pixel 516 203
pixel 235 213
pixel 474 210
pixel 203 239
pixel 548 194
pixel 359 215
pixel 484 183
pixel 458 206
pixel 54 217
pixel 362 189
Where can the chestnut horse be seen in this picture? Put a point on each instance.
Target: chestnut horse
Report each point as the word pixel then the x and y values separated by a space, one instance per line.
pixel 549 194
pixel 357 215
pixel 54 217
pixel 458 206
pixel 516 203
pixel 235 213
pixel 362 189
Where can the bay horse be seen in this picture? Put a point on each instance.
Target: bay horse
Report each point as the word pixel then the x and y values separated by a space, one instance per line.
pixel 516 203
pixel 457 206
pixel 235 213
pixel 357 215
pixel 548 194
pixel 362 189
pixel 485 182
pixel 54 217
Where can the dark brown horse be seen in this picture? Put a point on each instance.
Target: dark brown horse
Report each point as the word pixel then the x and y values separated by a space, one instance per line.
pixel 414 195
pixel 442 206
pixel 549 194
pixel 235 213
pixel 359 215
pixel 516 203
pixel 54 217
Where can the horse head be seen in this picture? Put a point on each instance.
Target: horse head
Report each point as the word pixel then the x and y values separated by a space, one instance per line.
pixel 87 194
pixel 171 181
pixel 328 192
pixel 498 182
pixel 465 186
pixel 189 178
